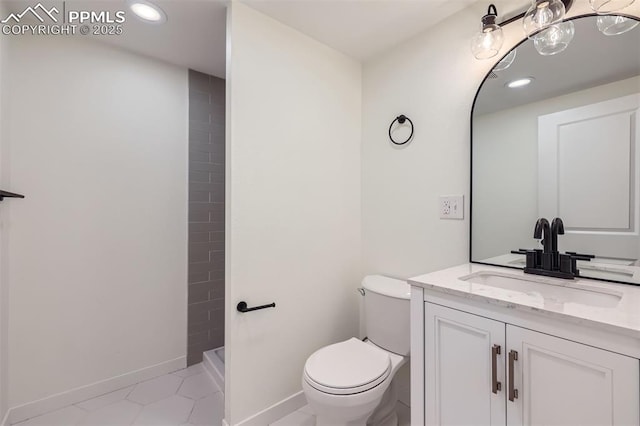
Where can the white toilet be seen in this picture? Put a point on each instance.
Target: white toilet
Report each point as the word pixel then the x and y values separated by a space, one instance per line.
pixel 351 382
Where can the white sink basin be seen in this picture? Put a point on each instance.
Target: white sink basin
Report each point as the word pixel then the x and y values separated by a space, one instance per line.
pixel 551 291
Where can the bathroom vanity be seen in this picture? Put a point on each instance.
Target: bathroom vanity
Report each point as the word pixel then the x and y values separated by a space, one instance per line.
pixel 495 346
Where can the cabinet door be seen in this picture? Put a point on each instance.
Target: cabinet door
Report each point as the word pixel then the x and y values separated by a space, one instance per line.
pixel 459 363
pixel 560 382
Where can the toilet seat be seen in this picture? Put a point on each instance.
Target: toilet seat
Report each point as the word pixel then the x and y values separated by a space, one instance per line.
pixel 347 368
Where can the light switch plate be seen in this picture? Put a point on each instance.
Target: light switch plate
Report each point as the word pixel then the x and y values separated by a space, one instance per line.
pixel 452 207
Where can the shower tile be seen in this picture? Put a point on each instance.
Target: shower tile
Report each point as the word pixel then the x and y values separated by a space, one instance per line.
pixel 199 157
pixel 196 176
pixel 197 338
pixel 216 236
pixel 207 105
pixel 207 167
pixel 199 196
pixel 198 237
pixel 197 294
pixel 197 277
pixel 201 97
pixel 199 82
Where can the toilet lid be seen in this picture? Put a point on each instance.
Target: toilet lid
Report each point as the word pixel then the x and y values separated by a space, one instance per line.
pixel 348 365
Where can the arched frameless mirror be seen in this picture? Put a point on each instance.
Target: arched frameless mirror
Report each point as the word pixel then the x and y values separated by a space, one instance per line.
pixel 562 141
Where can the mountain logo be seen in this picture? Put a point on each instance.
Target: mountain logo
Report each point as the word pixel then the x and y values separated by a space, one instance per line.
pixel 43 12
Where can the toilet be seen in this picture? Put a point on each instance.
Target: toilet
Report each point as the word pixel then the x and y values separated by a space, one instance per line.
pixel 351 382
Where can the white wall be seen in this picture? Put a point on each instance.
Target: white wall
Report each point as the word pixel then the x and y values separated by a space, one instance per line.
pixel 432 79
pixel 98 248
pixel 505 144
pixel 293 206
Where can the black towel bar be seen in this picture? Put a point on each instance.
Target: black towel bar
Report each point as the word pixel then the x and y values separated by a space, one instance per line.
pixel 7 194
pixel 242 307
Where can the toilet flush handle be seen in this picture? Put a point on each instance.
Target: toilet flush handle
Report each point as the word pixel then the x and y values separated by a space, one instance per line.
pixel 361 290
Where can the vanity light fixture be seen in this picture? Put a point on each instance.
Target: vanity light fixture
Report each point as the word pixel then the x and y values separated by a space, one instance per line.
pixel 542 14
pixel 521 82
pixel 147 11
pixel 615 25
pixel 608 6
pixel 487 42
pixel 506 61
pixel 554 39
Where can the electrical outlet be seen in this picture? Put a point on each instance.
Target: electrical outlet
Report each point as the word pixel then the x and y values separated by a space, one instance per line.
pixel 452 207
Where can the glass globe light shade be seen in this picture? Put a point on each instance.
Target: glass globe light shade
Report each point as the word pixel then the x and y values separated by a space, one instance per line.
pixel 506 61
pixel 554 39
pixel 488 42
pixel 611 25
pixel 542 14
pixel 608 6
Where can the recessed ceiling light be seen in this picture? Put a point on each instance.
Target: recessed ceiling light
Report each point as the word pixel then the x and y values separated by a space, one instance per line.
pixel 147 11
pixel 521 82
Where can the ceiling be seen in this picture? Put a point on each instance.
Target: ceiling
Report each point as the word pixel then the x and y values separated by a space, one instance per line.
pixel 360 28
pixel 592 59
pixel 194 34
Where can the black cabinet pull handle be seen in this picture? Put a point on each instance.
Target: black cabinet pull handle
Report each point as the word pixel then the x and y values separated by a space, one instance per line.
pixel 242 307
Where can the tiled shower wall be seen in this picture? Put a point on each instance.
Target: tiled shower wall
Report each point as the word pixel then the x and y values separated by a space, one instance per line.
pixel 206 214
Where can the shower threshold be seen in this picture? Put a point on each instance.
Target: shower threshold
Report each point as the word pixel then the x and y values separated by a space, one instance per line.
pixel 213 361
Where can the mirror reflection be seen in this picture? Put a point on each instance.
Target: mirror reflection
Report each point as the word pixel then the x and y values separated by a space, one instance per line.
pixel 556 136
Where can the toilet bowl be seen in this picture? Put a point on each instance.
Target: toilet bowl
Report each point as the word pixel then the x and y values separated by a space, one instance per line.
pixel 351 382
pixel 347 383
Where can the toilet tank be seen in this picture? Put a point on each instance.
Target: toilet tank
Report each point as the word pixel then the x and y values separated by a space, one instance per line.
pixel 386 313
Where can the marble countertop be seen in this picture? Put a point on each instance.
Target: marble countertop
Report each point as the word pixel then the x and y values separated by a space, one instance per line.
pixel 618 311
pixel 598 268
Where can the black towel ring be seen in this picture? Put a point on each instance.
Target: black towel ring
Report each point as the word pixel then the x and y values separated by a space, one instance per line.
pixel 401 119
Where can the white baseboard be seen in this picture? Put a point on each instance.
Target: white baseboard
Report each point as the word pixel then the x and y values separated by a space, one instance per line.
pixel 276 411
pixel 82 393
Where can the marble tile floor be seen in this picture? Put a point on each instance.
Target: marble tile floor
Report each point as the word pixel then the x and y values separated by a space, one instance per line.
pixel 182 398
pixel 187 397
pixel 305 417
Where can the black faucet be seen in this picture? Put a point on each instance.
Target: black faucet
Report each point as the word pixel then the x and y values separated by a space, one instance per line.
pixel 557 228
pixel 542 230
pixel 549 261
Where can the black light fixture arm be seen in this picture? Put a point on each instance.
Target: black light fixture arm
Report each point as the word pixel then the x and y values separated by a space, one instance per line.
pixel 7 194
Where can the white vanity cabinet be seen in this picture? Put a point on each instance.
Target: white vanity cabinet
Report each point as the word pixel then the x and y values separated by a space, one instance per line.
pixel 492 346
pixel 479 371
